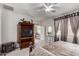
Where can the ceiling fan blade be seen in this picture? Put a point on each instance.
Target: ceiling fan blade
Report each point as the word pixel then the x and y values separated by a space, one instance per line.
pixel 42 7
pixel 45 5
pixel 52 4
pixel 53 10
pixel 48 4
pixel 55 7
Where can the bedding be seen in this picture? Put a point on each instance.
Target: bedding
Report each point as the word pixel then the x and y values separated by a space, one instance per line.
pixel 12 49
pixel 8 47
pixel 9 50
pixel 61 48
pixel 58 48
pixel 18 52
pixel 40 52
pixel 25 52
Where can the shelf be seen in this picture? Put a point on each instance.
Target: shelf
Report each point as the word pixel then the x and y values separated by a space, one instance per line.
pixel 26 37
pixel 25 41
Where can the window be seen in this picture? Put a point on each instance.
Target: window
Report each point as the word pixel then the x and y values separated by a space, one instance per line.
pixel 59 31
pixel 70 33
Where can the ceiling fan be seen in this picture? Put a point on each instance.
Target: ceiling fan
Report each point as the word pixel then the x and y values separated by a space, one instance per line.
pixel 48 7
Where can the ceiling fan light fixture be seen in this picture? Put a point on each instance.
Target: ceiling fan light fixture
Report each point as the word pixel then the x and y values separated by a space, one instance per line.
pixel 50 10
pixel 47 10
pixel 49 7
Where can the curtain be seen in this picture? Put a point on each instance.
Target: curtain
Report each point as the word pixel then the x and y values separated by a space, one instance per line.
pixel 64 29
pixel 56 24
pixel 74 21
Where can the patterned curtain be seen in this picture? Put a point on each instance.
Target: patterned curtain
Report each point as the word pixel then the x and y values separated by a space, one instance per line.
pixel 64 29
pixel 74 21
pixel 56 24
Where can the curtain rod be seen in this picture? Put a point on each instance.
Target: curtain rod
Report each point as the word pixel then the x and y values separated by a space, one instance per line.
pixel 67 16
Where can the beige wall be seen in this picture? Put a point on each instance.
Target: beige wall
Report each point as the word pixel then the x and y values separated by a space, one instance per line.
pixel 9 25
pixel 0 22
pixel 47 23
pixel 9 22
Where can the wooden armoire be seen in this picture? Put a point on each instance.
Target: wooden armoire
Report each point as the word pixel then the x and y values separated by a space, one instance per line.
pixel 25 34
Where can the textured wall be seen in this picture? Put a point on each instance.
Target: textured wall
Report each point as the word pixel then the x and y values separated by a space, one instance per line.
pixel 0 22
pixel 9 22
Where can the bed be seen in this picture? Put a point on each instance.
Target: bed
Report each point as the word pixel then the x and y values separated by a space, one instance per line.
pixel 61 48
pixel 41 52
pixel 58 48
pixel 11 49
pixel 18 52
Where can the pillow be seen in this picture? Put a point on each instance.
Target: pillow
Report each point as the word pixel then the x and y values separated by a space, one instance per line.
pixel 16 45
pixel 7 47
pixel 0 49
pixel 18 52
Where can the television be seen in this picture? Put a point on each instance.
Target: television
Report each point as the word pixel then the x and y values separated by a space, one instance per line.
pixel 26 33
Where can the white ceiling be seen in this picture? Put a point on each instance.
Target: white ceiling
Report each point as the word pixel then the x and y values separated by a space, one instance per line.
pixel 32 9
